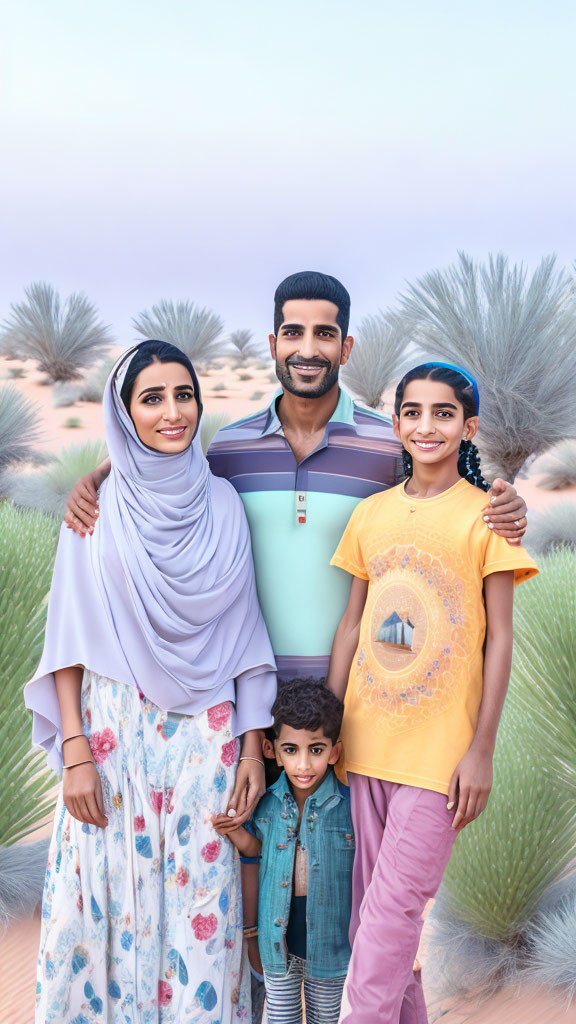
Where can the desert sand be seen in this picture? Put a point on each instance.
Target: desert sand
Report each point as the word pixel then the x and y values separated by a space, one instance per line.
pixel 224 391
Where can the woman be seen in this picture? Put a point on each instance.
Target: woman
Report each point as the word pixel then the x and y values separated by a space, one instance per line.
pixel 156 657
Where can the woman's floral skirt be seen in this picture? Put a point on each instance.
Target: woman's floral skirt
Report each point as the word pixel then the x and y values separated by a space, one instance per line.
pixel 142 920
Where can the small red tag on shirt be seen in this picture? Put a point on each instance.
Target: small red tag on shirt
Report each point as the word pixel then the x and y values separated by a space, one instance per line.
pixel 300 497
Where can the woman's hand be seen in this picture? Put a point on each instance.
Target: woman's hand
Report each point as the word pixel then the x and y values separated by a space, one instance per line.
pixel 470 786
pixel 82 792
pixel 249 786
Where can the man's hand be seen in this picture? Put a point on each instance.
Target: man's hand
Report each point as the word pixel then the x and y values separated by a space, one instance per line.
pixel 82 504
pixel 470 786
pixel 506 512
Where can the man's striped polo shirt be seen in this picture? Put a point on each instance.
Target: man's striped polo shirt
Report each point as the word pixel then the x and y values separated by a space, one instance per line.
pixel 302 596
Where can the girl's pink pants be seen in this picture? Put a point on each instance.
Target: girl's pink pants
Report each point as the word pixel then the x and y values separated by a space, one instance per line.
pixel 403 843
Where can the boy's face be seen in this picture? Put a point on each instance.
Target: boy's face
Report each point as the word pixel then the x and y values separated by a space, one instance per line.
pixel 305 757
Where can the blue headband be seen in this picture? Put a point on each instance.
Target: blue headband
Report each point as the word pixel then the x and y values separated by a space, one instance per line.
pixel 463 373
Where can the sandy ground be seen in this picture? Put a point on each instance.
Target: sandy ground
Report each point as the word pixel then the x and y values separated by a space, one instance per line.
pixel 223 391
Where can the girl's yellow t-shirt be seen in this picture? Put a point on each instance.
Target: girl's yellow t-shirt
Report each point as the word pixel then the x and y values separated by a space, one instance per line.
pixel 415 685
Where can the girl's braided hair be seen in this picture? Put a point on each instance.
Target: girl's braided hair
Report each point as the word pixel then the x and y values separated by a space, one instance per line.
pixel 468 459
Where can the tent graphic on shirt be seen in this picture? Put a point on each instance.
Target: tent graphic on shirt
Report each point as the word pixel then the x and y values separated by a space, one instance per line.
pixel 396 631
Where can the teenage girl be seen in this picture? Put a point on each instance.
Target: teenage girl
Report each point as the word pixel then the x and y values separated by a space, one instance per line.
pixel 422 656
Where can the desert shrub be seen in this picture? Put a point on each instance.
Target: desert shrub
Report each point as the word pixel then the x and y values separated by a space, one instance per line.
pixel 198 332
pixel 244 347
pixel 20 430
pixel 64 395
pixel 220 386
pixel 256 396
pixel 504 863
pixel 63 338
pixel 27 549
pixel 73 422
pixel 551 937
pixel 15 373
pixel 517 336
pixel 92 390
pixel 48 489
pixel 210 425
pixel 245 376
pixel 22 872
pixel 554 528
pixel 557 466
pixel 377 359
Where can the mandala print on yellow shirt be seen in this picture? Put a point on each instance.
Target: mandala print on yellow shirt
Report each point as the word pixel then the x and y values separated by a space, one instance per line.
pixel 418 617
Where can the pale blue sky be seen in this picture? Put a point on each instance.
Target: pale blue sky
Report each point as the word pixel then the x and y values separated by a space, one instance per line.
pixel 204 151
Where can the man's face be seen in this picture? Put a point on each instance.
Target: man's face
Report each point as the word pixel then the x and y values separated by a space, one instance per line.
pixel 309 349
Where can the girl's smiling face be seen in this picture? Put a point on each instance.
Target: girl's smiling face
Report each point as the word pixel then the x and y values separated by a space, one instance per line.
pixel 431 422
pixel 163 407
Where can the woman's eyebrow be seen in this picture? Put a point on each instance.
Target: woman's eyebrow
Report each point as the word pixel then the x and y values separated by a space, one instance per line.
pixel 161 387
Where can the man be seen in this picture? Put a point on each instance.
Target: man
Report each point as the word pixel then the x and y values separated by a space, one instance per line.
pixel 301 466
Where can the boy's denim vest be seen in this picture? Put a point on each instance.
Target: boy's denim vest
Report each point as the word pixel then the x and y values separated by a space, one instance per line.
pixel 327 836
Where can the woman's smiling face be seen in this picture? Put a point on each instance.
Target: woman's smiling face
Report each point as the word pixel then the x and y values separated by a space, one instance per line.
pixel 431 422
pixel 163 407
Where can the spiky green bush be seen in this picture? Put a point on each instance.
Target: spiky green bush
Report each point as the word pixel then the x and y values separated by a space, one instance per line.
pixel 504 863
pixel 48 490
pixel 198 332
pixel 553 528
pixel 377 359
pixel 27 548
pixel 210 425
pixel 517 336
pixel 557 466
pixel 63 337
pixel 20 431
pixel 92 390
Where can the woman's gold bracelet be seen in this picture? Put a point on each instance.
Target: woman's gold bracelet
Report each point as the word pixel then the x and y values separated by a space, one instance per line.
pixel 248 758
pixel 89 761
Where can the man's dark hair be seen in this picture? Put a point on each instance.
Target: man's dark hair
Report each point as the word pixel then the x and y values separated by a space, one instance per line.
pixel 311 284
pixel 307 704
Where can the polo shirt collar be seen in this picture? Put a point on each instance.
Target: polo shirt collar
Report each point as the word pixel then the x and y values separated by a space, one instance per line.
pixel 343 413
pixel 328 789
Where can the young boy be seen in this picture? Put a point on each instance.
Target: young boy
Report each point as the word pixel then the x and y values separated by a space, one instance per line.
pixel 302 830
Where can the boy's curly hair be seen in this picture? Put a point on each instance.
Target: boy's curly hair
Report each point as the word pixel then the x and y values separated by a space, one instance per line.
pixel 307 704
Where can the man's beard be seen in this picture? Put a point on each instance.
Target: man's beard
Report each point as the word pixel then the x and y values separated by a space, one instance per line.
pixel 328 381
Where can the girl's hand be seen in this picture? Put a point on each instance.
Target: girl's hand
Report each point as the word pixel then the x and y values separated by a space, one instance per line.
pixel 249 786
pixel 82 792
pixel 470 786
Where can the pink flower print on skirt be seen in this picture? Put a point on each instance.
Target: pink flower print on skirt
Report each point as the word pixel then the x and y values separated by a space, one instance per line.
pixel 102 744
pixel 219 716
pixel 146 913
